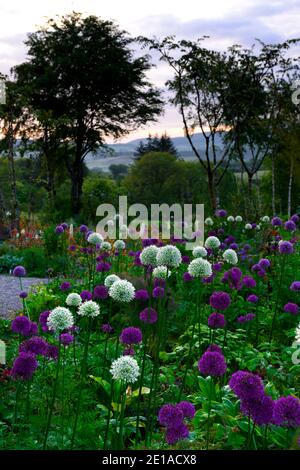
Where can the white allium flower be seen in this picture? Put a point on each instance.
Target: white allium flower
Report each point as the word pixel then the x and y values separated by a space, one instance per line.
pixel 122 291
pixel 119 245
pixel 60 319
pixel 161 272
pixel 208 221
pixel 257 227
pixel 200 267
pixel 265 219
pixel 109 280
pixel 239 218
pixel 125 368
pixel 148 255
pixel 89 309
pixel 95 238
pixel 212 243
pixel 199 252
pixel 297 337
pixel 248 226
pixel 230 218
pixel 73 300
pixel 169 256
pixel 230 256
pixel 106 246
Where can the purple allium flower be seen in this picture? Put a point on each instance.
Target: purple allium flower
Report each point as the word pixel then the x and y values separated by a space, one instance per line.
pixel 249 282
pixel 291 308
pixel 34 345
pixel 170 416
pixel 216 320
pixel 222 246
pixel 131 335
pixel 187 408
pixel 212 363
pixel 219 300
pixel 234 246
pixel 286 248
pixel 260 409
pixel 185 259
pixel 24 366
pixel 65 286
pixel 23 295
pixel 214 348
pixel 19 271
pixel 72 248
pixel 100 292
pixel 187 277
pixel 295 286
pixel 295 218
pixel 21 325
pixel 246 318
pixel 233 277
pixel 241 319
pixel 43 320
pixel 66 339
pixel 83 228
pixel 264 263
pixel 142 295
pixel 276 222
pixel 246 386
pixel 52 352
pixel 33 328
pixel 252 298
pixel 175 434
pixel 217 267
pixel 107 328
pixel 148 315
pixel 287 412
pixel 86 295
pixel 221 213
pixel 158 292
pixel 103 267
pixel 59 229
pixel 247 247
pixel 290 226
pixel 261 272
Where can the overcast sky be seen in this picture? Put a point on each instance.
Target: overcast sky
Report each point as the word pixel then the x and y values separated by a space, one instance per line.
pixel 225 21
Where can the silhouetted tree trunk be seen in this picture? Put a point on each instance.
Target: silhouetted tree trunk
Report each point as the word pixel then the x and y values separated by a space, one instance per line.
pixel 290 187
pixel 273 187
pixel 13 186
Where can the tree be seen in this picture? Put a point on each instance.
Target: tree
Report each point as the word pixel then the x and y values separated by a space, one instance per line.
pixel 82 72
pixel 156 144
pixel 118 171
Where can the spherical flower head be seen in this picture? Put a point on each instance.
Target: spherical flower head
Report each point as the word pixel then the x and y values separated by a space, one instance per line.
pixel 119 245
pixel 230 256
pixel 216 320
pixel 248 227
pixel 246 385
pixel 73 300
pixel 83 229
pixel 221 213
pixel 148 255
pixel 95 238
pixel 213 364
pixel 276 222
pixel 187 277
pixel 209 222
pixel 89 309
pixel 158 292
pixel 43 320
pixel 19 271
pixel 23 295
pixel 187 408
pixel 161 272
pixel 287 412
pixel 285 248
pixel 295 218
pixel 230 218
pixel 52 352
pixel 122 291
pixel 175 434
pixel 59 229
pixel 170 415
pixel 103 267
pixel 239 218
pixel 290 226
pixel 34 345
pixel 291 308
pixel 295 286
pixel 106 246
pixel 214 348
pixel 264 263
pixel 148 315
pixel 219 300
pixel 110 280
pixel 86 295
pixel 21 325
pixel 100 292
pixel 265 219
pixel 66 339
pixel 169 256
pixel 260 409
pixel 24 366
pixel 142 295
pixel 252 298
pixel 131 335
pixel 107 328
pixel 125 368
pixel 212 242
pixel 199 252
pixel 200 267
pixel 60 319
pixel 65 286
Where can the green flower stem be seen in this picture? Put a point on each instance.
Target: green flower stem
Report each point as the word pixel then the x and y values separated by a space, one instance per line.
pixel 282 267
pixel 53 398
pixel 140 393
pixel 18 388
pixel 209 411
pixel 122 413
pixel 188 363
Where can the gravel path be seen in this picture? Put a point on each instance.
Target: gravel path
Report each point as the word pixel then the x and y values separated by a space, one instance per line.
pixel 9 293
